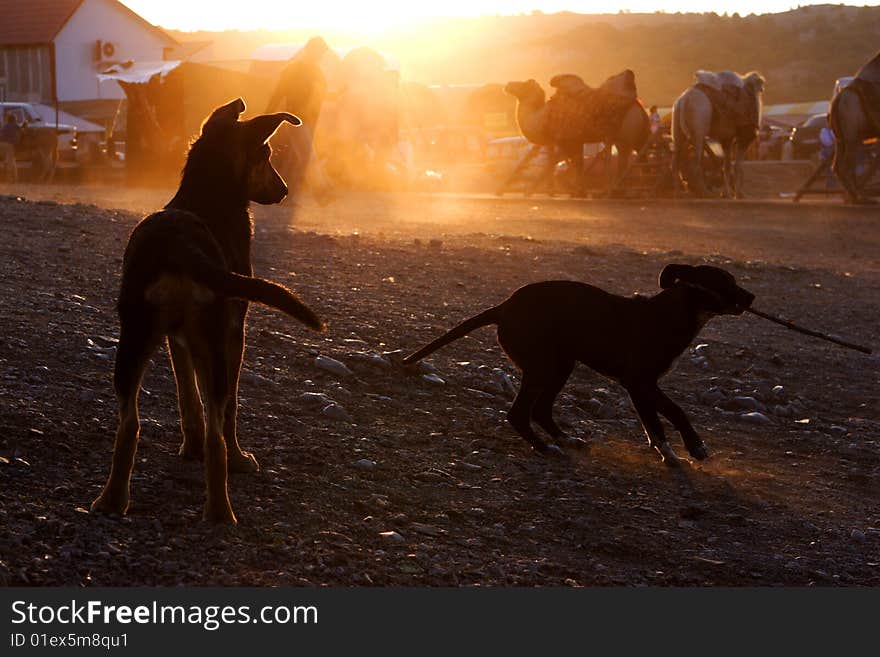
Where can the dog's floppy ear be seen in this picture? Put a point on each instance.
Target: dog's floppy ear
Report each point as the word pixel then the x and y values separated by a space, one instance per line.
pixel 260 128
pixel 225 114
pixel 672 274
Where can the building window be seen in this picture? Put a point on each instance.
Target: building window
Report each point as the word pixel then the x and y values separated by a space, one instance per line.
pixel 25 73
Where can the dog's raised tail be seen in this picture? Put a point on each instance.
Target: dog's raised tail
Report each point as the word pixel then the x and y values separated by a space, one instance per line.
pixel 485 318
pixel 269 294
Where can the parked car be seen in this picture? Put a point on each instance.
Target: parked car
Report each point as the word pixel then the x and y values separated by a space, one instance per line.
pixel 36 128
pixel 804 138
pixel 771 138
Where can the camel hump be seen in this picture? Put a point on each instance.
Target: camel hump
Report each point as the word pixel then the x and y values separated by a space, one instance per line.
pixel 622 84
pixel 569 84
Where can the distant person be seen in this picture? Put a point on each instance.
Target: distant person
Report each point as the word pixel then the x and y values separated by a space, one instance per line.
pixel 654 117
pixel 10 136
pixel 301 90
pixel 826 153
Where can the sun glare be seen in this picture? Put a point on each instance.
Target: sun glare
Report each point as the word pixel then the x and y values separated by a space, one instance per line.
pixel 378 17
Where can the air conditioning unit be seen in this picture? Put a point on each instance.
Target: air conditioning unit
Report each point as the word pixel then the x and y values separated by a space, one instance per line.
pixel 105 51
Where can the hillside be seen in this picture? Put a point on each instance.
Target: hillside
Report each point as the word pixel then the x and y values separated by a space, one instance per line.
pixel 801 51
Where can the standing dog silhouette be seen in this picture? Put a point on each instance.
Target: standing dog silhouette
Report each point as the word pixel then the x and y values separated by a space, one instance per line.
pixel 187 277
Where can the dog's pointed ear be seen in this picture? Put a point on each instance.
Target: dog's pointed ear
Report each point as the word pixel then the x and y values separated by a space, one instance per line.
pixel 260 128
pixel 672 274
pixel 225 114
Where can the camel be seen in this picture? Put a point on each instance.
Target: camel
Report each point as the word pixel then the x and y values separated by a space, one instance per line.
pixel 578 115
pixel 855 116
pixel 725 106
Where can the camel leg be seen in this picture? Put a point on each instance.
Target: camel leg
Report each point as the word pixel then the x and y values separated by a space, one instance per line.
pixel 845 160
pixel 624 153
pixel 844 163
pixel 696 182
pixel 577 164
pixel 727 175
pixel 520 167
pixel 738 174
pixel 546 177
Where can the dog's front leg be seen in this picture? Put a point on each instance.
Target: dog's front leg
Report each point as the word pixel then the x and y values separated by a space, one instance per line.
pixel 644 400
pixel 672 411
pixel 239 461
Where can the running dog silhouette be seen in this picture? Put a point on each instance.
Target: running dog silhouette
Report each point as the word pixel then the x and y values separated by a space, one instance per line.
pixel 545 328
pixel 187 277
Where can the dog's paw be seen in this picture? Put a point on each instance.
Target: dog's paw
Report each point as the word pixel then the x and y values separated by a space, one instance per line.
pixel 190 453
pixel 219 514
pixel 112 504
pixel 668 455
pixel 699 451
pixel 243 462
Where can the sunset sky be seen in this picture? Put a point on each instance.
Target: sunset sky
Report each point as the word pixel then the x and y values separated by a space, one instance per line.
pixel 376 16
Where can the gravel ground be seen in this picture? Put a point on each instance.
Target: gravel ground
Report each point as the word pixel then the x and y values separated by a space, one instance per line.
pixel 407 480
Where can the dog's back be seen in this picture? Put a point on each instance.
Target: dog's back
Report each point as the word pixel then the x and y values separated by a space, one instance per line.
pixel 619 337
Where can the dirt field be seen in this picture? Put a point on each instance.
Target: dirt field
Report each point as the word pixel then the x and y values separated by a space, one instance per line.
pixel 417 482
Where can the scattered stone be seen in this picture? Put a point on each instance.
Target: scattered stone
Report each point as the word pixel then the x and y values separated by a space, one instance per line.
pixel 424 367
pixel 713 396
pixel 333 366
pixel 782 411
pixel 746 403
pixel 393 536
pixel 335 412
pixel 434 379
pixel 480 393
pixel 365 464
pixel 374 360
pixel 755 417
pixel 252 377
pixel 427 530
pixel 504 382
pixel 317 398
pixel 777 390
pixel 858 535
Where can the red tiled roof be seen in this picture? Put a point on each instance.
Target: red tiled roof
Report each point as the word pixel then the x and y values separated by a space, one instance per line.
pixel 33 21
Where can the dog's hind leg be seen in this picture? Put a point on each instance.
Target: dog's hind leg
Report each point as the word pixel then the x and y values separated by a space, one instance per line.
pixel 239 461
pixel 520 412
pixel 542 411
pixel 210 367
pixel 672 411
pixel 644 400
pixel 192 415
pixel 132 354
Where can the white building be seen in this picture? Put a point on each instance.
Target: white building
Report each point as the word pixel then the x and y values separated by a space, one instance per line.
pixel 52 50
